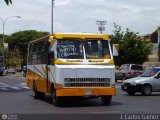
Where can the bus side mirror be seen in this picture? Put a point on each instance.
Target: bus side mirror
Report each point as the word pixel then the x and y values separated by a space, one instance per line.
pixel 115 49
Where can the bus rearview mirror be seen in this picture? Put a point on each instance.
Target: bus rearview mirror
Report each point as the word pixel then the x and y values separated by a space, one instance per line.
pixel 115 49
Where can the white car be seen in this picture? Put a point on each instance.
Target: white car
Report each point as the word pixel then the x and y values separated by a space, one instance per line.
pixel 11 69
pixel 147 83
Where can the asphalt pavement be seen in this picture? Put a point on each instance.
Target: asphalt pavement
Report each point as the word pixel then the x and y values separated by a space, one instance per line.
pixel 15 97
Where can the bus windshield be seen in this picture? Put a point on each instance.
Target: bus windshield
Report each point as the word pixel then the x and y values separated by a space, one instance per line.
pixel 73 49
pixel 97 49
pixel 69 49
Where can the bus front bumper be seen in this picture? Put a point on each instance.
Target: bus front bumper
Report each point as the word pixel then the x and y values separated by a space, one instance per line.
pixel 85 92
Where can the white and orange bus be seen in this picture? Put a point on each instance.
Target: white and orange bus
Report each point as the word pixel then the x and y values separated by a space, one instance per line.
pixel 66 65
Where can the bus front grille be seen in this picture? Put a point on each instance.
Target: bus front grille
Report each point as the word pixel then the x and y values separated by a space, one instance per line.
pixel 87 82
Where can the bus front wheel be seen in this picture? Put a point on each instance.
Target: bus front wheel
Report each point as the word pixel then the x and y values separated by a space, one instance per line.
pixel 106 100
pixel 36 94
pixel 57 101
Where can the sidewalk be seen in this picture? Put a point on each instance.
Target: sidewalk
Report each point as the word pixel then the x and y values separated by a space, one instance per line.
pixel 17 75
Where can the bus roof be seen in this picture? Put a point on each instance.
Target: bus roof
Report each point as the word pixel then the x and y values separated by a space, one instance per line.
pixel 40 39
pixel 73 35
pixel 80 35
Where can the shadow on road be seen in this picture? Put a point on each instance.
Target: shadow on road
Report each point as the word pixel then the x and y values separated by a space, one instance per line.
pixel 80 102
pixel 140 95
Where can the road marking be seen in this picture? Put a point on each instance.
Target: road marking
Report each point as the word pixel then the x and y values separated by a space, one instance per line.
pixel 26 87
pixel 4 84
pixel 7 87
pixel 4 89
pixel 16 88
pixel 23 84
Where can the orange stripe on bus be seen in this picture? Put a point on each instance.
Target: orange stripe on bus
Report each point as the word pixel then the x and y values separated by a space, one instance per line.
pixel 83 91
pixel 40 82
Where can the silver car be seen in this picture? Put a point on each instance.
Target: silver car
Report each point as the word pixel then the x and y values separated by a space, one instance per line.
pixel 11 69
pixel 128 71
pixel 147 83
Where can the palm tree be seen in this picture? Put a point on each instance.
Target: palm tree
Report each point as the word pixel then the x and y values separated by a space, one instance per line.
pixel 8 2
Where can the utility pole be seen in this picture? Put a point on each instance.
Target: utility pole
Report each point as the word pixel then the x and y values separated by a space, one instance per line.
pixel 101 26
pixel 158 31
pixel 159 35
pixel 52 17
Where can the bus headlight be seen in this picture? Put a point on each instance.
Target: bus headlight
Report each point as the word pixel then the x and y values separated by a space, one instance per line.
pixel 68 79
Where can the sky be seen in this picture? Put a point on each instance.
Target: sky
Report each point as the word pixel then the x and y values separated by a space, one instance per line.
pixel 141 16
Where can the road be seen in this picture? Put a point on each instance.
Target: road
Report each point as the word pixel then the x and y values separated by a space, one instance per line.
pixel 15 97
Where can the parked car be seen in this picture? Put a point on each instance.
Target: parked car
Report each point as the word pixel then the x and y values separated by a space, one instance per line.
pixel 147 83
pixel 119 75
pixel 128 71
pixel 11 69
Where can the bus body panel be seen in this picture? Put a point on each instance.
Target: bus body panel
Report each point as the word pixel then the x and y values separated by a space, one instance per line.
pixel 101 91
pixel 37 73
pixel 59 72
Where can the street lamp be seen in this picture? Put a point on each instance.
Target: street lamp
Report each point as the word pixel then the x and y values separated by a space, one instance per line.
pixel 3 23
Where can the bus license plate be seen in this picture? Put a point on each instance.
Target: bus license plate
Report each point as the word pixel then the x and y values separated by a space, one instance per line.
pixel 88 92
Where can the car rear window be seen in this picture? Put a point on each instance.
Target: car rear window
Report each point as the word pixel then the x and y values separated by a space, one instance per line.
pixel 127 66
pixel 136 67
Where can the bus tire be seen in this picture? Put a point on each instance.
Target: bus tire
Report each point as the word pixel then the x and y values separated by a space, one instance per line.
pixel 36 94
pixel 42 95
pixel 106 100
pixel 57 101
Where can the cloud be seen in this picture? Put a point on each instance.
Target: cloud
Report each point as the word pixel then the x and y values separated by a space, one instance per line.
pixel 80 15
pixel 63 3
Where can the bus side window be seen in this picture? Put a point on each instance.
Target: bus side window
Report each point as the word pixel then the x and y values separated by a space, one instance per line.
pixel 41 52
pixel 30 54
pixel 34 53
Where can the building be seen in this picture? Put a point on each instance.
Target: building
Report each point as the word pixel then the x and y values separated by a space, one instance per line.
pixel 154 58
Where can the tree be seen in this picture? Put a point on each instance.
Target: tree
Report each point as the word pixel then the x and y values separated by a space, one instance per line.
pixel 117 34
pixel 1 43
pixel 20 40
pixel 132 48
pixel 14 58
pixel 8 2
